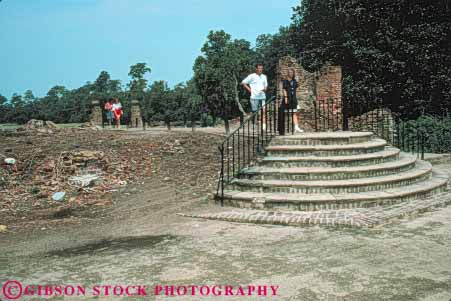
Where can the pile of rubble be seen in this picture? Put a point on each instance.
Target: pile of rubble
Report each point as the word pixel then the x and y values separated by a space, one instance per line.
pixel 72 168
pixel 67 168
pixel 83 160
pixel 90 126
pixel 40 126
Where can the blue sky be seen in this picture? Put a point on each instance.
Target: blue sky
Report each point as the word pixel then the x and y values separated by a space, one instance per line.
pixel 44 43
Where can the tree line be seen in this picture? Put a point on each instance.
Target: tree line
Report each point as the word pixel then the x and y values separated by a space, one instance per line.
pixel 394 52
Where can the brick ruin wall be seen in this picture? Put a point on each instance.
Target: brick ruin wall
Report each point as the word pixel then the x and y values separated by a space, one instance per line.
pixel 322 88
pixel 379 121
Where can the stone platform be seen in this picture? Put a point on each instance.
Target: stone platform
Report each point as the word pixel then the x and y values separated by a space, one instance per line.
pixel 333 178
pixel 332 171
pixel 354 218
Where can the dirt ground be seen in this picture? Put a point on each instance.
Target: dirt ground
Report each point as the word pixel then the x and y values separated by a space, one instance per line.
pixel 127 157
pixel 139 239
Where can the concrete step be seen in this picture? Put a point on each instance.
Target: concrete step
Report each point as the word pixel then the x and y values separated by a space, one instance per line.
pixel 406 162
pixel 323 138
pixel 372 146
pixel 421 171
pixel 385 155
pixel 332 201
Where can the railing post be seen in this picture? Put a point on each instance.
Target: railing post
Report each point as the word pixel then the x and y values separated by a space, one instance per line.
pixel 221 150
pixel 248 144
pixel 233 155
pixel 253 139
pixel 315 108
pixel 228 162
pixel 422 144
pixel 239 149
pixel 262 140
pixel 345 115
pixel 261 128
pixel 266 124
pixel 244 146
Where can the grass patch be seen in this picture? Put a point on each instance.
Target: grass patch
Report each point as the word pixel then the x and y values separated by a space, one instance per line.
pixel 68 125
pixel 12 126
pixel 8 126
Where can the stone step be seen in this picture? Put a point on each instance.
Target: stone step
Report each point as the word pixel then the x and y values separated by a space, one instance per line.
pixel 386 155
pixel 421 171
pixel 406 162
pixel 355 217
pixel 323 138
pixel 372 146
pixel 332 201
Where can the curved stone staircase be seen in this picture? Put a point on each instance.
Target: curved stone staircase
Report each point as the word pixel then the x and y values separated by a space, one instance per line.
pixel 329 171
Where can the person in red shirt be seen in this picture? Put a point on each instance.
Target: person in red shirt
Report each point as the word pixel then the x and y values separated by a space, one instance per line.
pixel 117 111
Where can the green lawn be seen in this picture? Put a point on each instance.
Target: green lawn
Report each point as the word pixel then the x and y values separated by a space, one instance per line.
pixel 5 126
pixel 68 125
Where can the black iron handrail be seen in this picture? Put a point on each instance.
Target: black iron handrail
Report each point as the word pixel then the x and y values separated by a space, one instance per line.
pixel 241 148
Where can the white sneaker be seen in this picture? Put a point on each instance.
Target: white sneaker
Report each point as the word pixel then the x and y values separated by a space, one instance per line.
pixel 298 130
pixel 264 126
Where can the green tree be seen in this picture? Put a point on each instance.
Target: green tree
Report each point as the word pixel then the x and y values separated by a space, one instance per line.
pixel 271 47
pixel 192 103
pixel 29 96
pixel 100 86
pixel 396 52
pixel 218 72
pixel 162 104
pixel 53 106
pixel 5 110
pixel 19 113
pixel 138 83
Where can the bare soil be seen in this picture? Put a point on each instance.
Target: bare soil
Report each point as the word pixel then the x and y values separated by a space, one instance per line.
pixel 130 158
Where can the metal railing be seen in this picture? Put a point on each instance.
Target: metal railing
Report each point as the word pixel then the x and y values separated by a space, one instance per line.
pixel 241 148
pixel 425 134
pixel 326 116
pixel 409 136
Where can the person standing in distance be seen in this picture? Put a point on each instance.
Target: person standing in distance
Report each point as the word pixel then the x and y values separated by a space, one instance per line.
pixel 109 111
pixel 257 84
pixel 117 111
pixel 290 102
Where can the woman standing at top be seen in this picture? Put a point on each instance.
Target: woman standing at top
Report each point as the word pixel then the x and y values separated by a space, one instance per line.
pixel 290 102
pixel 117 111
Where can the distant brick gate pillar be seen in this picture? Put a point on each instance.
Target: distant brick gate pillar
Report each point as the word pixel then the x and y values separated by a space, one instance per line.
pixel 136 119
pixel 328 98
pixel 319 94
pixel 96 115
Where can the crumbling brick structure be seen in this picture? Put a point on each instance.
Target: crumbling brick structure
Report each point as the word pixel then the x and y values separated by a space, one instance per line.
pixel 96 115
pixel 319 94
pixel 136 118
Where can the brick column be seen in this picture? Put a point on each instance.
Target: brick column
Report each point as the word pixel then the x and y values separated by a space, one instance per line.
pixel 96 114
pixel 136 119
pixel 328 98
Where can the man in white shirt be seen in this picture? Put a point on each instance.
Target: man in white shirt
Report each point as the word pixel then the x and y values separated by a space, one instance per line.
pixel 257 84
